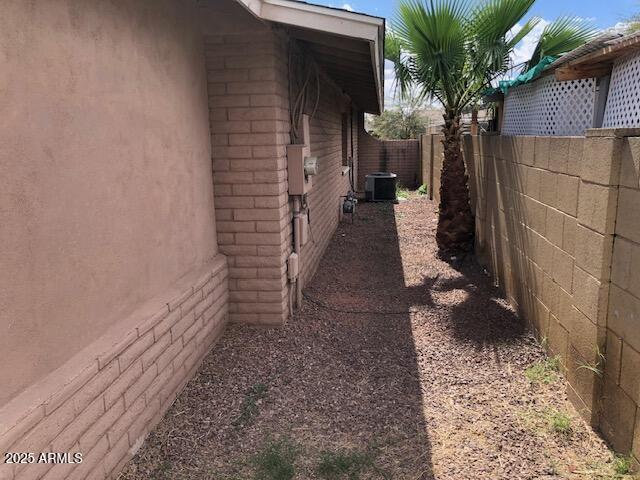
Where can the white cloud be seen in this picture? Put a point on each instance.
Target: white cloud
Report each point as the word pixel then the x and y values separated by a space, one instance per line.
pixel 344 6
pixel 525 48
pixel 389 84
pixel 620 27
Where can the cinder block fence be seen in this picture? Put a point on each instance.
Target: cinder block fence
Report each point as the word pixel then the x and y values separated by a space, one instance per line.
pixel 558 226
pixel 401 157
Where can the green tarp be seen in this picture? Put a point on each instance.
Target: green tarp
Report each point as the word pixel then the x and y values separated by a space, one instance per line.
pixel 526 77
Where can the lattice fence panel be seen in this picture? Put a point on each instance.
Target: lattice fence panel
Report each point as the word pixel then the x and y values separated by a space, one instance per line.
pixel 519 104
pixel 623 100
pixel 549 107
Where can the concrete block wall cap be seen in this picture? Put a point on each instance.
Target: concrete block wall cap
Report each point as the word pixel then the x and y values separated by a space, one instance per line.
pixel 184 287
pixel 549 136
pixel 613 132
pixel 28 407
pixel 116 344
pixel 16 421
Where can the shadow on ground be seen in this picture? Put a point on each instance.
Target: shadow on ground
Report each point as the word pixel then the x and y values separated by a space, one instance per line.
pixel 398 366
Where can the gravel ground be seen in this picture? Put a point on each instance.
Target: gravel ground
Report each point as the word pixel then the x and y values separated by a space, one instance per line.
pixel 405 366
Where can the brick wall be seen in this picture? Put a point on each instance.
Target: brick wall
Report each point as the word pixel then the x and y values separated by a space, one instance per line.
pixel 401 157
pixel 557 225
pixel 248 101
pixel 104 401
pixel 325 204
pixel 247 67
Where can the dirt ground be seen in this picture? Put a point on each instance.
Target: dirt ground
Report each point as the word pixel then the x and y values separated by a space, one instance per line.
pixel 397 367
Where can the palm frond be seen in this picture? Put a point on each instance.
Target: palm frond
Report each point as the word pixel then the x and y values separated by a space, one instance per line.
pixel 523 32
pixel 561 36
pixel 393 52
pixel 491 23
pixel 494 19
pixel 452 49
pixel 436 37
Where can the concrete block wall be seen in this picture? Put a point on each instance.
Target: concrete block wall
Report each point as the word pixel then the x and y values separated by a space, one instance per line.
pixel 401 157
pixel 622 372
pixel 248 102
pixel 557 225
pixel 105 400
pixel 545 230
pixel 431 151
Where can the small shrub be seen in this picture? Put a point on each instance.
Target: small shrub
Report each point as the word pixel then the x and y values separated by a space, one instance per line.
pixel 560 422
pixel 335 465
pixel 276 461
pixel 424 189
pixel 621 465
pixel 544 371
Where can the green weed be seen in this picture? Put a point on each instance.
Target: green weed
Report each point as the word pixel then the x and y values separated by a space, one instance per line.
pixel 401 192
pixel 560 422
pixel 596 367
pixel 424 189
pixel 349 465
pixel 276 461
pixel 544 371
pixel 622 465
pixel 249 407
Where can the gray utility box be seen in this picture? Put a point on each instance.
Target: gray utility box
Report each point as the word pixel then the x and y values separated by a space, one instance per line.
pixel 380 187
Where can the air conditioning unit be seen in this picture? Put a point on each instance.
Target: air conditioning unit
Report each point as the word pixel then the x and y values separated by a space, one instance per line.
pixel 380 187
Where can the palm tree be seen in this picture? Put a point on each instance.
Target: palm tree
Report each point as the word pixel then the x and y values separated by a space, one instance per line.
pixel 451 50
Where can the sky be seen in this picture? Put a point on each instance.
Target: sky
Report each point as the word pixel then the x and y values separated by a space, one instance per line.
pixel 602 14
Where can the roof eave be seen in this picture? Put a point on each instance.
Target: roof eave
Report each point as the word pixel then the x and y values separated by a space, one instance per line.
pixel 329 20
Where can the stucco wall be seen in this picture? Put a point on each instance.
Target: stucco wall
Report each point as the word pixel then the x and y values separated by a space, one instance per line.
pixel 112 288
pixel 105 164
pixel 557 226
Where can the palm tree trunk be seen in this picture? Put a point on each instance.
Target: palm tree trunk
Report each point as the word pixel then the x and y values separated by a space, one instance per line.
pixel 455 222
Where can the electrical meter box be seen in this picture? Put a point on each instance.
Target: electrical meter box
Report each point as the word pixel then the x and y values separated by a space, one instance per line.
pixel 301 165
